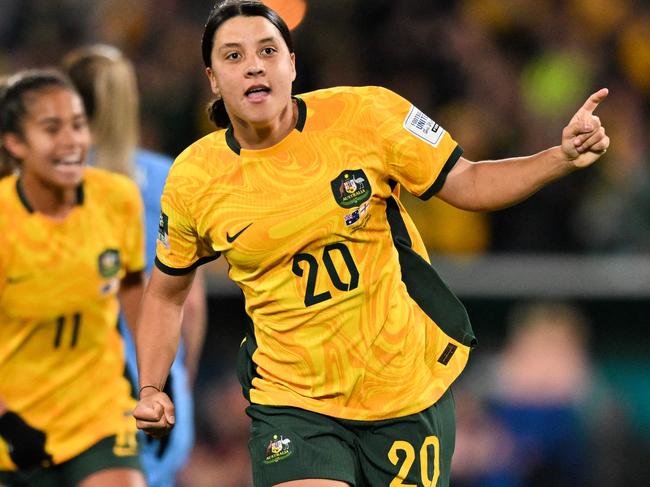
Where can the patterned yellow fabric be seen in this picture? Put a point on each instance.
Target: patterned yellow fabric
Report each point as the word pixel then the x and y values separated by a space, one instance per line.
pixel 304 227
pixel 61 356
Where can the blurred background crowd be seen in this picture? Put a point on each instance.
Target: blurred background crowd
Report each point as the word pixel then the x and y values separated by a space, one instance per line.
pixel 558 393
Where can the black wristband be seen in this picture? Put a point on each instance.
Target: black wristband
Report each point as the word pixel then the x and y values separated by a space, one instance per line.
pixel 148 385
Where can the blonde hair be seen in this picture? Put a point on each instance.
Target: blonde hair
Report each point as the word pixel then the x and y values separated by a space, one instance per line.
pixel 107 83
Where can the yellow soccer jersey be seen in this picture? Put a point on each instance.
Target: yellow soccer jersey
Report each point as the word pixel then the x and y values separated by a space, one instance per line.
pixel 61 356
pixel 349 319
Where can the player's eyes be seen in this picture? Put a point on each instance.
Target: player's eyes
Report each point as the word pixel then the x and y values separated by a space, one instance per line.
pixel 233 56
pixel 80 125
pixel 268 51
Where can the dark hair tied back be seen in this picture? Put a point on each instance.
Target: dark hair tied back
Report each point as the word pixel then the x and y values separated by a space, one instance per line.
pixel 217 113
pixel 225 10
pixel 13 92
pixel 14 89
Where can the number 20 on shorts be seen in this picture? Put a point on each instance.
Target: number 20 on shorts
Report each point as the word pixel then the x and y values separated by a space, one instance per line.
pixel 408 455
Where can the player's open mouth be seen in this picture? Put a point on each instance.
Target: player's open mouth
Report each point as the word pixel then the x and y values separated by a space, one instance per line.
pixel 69 161
pixel 257 93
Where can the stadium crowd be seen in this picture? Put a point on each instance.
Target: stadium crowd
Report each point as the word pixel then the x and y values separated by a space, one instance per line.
pixel 515 69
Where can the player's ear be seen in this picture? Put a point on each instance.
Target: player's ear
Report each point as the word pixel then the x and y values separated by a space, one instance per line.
pixel 292 56
pixel 213 81
pixel 14 145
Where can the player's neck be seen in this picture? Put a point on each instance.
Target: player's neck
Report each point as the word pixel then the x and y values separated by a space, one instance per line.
pixel 52 201
pixel 255 137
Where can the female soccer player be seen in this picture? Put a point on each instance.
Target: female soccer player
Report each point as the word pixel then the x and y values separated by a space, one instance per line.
pixel 355 340
pixel 70 244
pixel 107 84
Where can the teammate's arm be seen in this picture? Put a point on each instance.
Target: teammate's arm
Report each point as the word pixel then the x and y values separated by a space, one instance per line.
pixel 130 296
pixel 491 185
pixel 157 336
pixel 194 324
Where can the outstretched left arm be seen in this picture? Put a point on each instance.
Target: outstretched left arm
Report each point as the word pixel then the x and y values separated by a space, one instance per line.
pixel 491 185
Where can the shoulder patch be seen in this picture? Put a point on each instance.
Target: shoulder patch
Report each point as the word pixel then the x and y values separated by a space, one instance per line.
pixel 420 125
pixel 163 230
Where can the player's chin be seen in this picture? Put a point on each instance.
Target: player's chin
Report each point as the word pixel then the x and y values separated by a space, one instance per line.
pixel 70 180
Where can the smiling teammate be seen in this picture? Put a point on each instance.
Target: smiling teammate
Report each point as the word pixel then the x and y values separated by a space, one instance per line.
pixel 71 243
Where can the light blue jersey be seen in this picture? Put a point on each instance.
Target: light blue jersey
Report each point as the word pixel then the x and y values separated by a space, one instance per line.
pixel 161 458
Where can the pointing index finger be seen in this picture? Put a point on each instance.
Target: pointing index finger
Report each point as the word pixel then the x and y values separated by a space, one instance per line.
pixel 594 100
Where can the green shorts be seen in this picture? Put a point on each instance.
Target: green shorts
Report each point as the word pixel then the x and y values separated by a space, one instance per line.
pixel 291 444
pixel 104 455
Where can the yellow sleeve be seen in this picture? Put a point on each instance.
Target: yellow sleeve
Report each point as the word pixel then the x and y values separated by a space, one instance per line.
pixel 420 153
pixel 179 248
pixel 4 248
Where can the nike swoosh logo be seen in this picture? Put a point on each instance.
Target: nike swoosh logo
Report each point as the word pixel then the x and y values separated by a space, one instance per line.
pixel 17 279
pixel 234 237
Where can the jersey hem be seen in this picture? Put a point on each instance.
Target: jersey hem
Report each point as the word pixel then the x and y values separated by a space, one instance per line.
pixel 287 399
